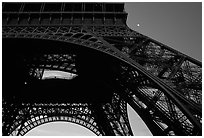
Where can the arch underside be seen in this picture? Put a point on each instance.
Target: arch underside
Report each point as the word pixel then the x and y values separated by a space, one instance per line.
pixel 76 113
pixel 30 116
pixel 163 110
pixel 179 71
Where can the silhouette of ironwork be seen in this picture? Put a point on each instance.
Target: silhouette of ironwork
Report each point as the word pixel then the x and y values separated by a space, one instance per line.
pixel 113 64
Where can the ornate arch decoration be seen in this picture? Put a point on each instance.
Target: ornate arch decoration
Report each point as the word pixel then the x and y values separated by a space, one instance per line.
pixel 164 105
pixel 34 122
pixel 29 126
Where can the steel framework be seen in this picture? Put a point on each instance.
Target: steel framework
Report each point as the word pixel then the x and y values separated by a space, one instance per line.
pixel 123 66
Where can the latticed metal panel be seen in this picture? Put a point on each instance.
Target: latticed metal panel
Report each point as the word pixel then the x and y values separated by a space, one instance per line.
pixel 114 63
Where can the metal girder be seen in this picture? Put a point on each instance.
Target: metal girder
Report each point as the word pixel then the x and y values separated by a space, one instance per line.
pixel 160 83
pixel 155 104
pixel 116 53
pixel 32 115
pixel 164 62
pixel 35 115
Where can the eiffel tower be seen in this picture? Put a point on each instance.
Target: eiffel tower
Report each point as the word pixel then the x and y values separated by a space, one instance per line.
pixel 109 65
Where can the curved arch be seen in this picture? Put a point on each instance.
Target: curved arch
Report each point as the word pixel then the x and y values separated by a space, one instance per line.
pixel 61 35
pixel 181 103
pixel 60 128
pixel 44 113
pixel 30 124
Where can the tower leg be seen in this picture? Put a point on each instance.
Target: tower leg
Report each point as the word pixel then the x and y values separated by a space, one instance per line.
pixel 102 120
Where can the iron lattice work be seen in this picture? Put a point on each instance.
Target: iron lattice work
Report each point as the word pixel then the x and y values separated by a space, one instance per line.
pixel 29 116
pixel 113 63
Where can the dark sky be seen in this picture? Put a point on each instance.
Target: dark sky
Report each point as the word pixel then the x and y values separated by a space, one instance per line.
pixel 176 24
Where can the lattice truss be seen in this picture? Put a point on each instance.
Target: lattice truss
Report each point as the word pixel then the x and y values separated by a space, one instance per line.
pixel 19 118
pixel 153 99
pixel 154 104
pixel 178 70
pixel 61 62
pixel 32 115
pixel 161 84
